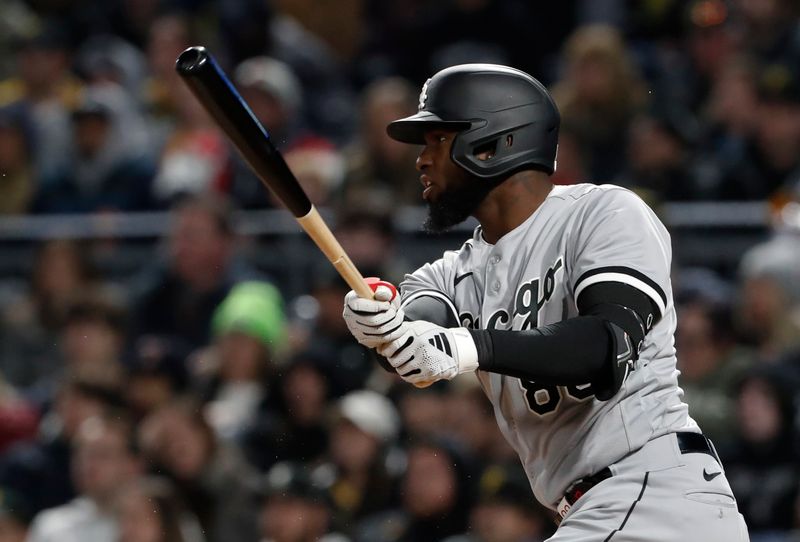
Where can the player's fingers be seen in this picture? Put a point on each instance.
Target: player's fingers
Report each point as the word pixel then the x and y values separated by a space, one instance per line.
pixel 405 362
pixel 362 306
pixel 416 376
pixel 394 334
pixel 403 355
pixel 381 322
pixel 392 348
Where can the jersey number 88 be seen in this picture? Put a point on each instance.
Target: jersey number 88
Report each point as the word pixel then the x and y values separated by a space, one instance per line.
pixel 544 398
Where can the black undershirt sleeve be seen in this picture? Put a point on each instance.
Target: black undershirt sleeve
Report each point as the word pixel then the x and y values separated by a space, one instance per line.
pixel 431 309
pixel 579 350
pixel 573 351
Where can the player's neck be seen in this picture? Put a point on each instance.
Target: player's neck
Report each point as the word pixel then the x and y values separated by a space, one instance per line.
pixel 511 203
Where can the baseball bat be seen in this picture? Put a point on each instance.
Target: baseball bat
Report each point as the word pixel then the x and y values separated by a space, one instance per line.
pixel 223 102
pixel 215 91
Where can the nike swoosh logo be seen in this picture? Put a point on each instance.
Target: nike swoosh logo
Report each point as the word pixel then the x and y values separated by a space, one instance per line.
pixel 710 476
pixel 460 278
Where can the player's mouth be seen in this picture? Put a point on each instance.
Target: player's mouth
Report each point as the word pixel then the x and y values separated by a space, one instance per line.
pixel 428 186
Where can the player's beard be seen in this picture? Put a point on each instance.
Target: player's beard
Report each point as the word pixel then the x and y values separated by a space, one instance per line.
pixel 454 205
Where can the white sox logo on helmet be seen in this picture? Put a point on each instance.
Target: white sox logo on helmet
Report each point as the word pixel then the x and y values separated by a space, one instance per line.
pixel 423 95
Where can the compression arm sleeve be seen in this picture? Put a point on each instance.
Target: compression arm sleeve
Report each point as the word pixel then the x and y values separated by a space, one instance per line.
pixel 599 347
pixel 573 351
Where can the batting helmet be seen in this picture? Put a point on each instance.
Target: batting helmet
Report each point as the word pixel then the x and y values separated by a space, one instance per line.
pixel 493 108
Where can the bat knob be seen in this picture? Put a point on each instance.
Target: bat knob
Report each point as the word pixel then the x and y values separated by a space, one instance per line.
pixel 374 282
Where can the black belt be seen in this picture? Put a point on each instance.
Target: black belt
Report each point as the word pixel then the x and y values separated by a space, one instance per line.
pixel 688 443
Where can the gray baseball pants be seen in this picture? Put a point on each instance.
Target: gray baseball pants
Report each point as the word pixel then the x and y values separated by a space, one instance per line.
pixel 657 494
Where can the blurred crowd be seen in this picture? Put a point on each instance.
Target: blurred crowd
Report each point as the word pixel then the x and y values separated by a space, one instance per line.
pixel 199 399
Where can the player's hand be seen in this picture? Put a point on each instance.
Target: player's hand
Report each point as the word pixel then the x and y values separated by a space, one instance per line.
pixel 373 322
pixel 425 352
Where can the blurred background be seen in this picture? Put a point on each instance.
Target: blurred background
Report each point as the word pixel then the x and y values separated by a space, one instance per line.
pixel 173 362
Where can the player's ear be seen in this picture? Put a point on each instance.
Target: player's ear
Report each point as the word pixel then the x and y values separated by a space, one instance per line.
pixel 486 151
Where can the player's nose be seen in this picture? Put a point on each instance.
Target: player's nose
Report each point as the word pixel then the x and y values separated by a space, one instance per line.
pixel 423 160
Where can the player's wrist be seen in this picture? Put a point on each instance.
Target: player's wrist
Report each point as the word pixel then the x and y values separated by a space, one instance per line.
pixel 466 351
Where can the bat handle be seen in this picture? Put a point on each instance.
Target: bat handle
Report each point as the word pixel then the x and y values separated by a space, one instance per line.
pixel 315 227
pixel 373 283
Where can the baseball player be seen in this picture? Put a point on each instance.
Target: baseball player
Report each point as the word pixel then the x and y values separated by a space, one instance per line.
pixel 561 303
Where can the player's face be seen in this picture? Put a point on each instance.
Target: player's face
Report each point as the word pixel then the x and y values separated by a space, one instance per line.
pixel 452 193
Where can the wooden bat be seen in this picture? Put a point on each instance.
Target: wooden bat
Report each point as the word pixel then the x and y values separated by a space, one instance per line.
pixel 224 103
pixel 215 91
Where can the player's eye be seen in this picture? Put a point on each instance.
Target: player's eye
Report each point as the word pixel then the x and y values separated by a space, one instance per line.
pixel 442 138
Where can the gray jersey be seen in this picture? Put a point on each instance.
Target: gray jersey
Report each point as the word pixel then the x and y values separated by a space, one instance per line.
pixel 580 235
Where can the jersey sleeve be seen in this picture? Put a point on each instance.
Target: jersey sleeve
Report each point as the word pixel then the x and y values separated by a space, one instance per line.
pixel 432 280
pixel 620 239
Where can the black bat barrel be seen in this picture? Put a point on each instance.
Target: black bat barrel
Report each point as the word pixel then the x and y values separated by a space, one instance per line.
pixel 220 98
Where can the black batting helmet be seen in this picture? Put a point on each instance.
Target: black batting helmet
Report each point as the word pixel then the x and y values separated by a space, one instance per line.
pixel 494 108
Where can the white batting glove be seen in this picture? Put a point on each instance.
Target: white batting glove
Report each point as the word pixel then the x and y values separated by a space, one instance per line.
pixel 425 352
pixel 373 322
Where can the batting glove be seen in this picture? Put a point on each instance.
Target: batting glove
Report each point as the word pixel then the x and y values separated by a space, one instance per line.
pixel 373 322
pixel 425 352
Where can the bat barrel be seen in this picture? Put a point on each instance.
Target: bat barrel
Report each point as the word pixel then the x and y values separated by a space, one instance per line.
pixel 222 101
pixel 192 60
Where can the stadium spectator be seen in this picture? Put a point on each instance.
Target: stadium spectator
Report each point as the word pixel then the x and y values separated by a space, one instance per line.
pixel 318 167
pixel 296 507
pixel 249 330
pixel 363 431
pixel 275 95
pixel 471 423
pixel 659 156
pixel 761 463
pixel 211 477
pixel 420 409
pixel 40 469
pixel 105 459
pixel 43 81
pixel 175 300
pixel 380 173
pixel 195 159
pixel 771 30
pixel 168 35
pixel 730 118
pixel 768 166
pixel 436 496
pixel 17 181
pixel 598 95
pixel 106 59
pixel 111 170
pixel 92 341
pixel 769 294
pixel 710 360
pixel 327 89
pixel 155 375
pixel 31 320
pixel 294 426
pixel 149 510
pixel 503 512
